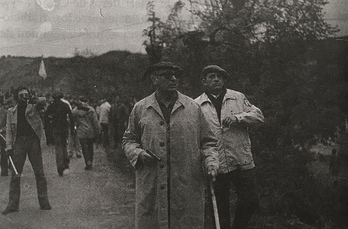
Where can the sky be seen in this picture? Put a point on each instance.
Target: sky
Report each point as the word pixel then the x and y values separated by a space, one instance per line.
pixel 59 27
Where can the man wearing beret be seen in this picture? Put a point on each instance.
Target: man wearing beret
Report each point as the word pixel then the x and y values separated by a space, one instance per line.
pixel 172 148
pixel 229 114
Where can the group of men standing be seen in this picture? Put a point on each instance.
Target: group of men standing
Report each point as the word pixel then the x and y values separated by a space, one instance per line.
pixel 173 142
pixel 25 136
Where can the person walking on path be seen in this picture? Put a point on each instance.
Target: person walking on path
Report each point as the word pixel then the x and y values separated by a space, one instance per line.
pixel 24 136
pixel 3 157
pixel 104 121
pixel 87 129
pixel 118 119
pixel 62 121
pixel 171 146
pixel 74 147
pixel 229 114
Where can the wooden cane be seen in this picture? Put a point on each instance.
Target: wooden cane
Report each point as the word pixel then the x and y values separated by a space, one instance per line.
pixel 213 198
pixel 13 166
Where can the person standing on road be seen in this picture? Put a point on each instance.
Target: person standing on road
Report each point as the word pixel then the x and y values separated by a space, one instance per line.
pixel 170 144
pixel 118 119
pixel 229 114
pixel 59 112
pixel 74 146
pixel 3 157
pixel 24 135
pixel 87 129
pixel 104 121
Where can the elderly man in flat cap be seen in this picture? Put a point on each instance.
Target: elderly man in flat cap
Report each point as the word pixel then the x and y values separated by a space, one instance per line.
pixel 172 148
pixel 229 114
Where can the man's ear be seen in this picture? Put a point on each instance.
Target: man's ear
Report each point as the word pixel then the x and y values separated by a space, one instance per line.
pixel 154 79
pixel 204 81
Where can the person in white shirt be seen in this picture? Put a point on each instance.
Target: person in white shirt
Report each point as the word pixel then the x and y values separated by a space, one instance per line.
pixel 104 121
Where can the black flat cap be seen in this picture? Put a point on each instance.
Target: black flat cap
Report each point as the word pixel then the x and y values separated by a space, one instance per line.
pixel 214 68
pixel 163 66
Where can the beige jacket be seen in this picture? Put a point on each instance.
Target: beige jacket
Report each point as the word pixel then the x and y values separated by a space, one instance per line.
pixel 233 142
pixel 33 117
pixel 175 186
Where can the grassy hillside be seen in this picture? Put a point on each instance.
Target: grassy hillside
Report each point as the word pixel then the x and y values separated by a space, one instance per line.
pixel 119 71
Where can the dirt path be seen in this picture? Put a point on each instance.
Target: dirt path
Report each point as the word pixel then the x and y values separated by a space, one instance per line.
pixel 100 198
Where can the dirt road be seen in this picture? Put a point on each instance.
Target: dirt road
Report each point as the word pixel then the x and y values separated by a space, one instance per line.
pixel 100 198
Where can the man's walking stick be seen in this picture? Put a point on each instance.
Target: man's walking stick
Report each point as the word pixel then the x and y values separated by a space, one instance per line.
pixel 213 198
pixel 13 166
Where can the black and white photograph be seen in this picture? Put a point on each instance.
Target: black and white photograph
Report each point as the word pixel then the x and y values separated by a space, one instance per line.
pixel 174 114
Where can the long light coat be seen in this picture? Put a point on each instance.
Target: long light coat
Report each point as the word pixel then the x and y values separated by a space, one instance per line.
pixel 234 144
pixel 33 117
pixel 170 193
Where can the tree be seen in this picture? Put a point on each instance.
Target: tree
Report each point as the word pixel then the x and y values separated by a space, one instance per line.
pixel 264 45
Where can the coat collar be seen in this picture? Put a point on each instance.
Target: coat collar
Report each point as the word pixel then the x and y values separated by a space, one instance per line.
pixel 204 97
pixel 152 102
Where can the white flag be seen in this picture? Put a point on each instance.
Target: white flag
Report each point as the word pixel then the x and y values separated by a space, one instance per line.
pixel 42 70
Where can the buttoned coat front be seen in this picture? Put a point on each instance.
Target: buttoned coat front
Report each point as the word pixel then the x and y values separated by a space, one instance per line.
pixel 33 117
pixel 234 144
pixel 170 194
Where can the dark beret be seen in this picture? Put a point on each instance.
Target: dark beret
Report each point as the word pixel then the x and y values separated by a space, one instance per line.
pixel 57 95
pixel 214 68
pixel 162 66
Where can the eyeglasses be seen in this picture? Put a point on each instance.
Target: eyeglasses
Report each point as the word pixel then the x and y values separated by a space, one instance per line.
pixel 23 95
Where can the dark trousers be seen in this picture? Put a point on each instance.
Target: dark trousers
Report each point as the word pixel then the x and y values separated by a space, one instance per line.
pixel 105 134
pixel 247 197
pixel 27 146
pixel 3 157
pixel 87 150
pixel 60 147
pixel 4 163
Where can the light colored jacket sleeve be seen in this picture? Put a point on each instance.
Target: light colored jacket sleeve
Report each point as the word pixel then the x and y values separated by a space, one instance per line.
pixel 132 139
pixel 250 114
pixel 208 144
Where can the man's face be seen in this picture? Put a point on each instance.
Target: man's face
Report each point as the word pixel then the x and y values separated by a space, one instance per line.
pixel 214 82
pixel 23 95
pixel 165 80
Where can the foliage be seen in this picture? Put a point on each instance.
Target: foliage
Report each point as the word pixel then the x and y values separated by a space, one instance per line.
pixel 280 54
pixel 270 48
pixel 288 189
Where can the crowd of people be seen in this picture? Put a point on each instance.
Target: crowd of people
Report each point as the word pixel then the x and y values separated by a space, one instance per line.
pixel 178 146
pixel 71 125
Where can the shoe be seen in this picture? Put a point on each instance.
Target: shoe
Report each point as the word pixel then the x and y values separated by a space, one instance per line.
pixel 46 207
pixel 60 172
pixel 88 167
pixel 9 210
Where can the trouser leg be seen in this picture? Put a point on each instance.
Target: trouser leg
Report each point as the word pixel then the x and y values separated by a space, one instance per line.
pixel 66 159
pixel 246 190
pixel 19 156
pixel 84 147
pixel 105 130
pixel 90 150
pixel 4 163
pixel 222 192
pixel 35 158
pixel 59 152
